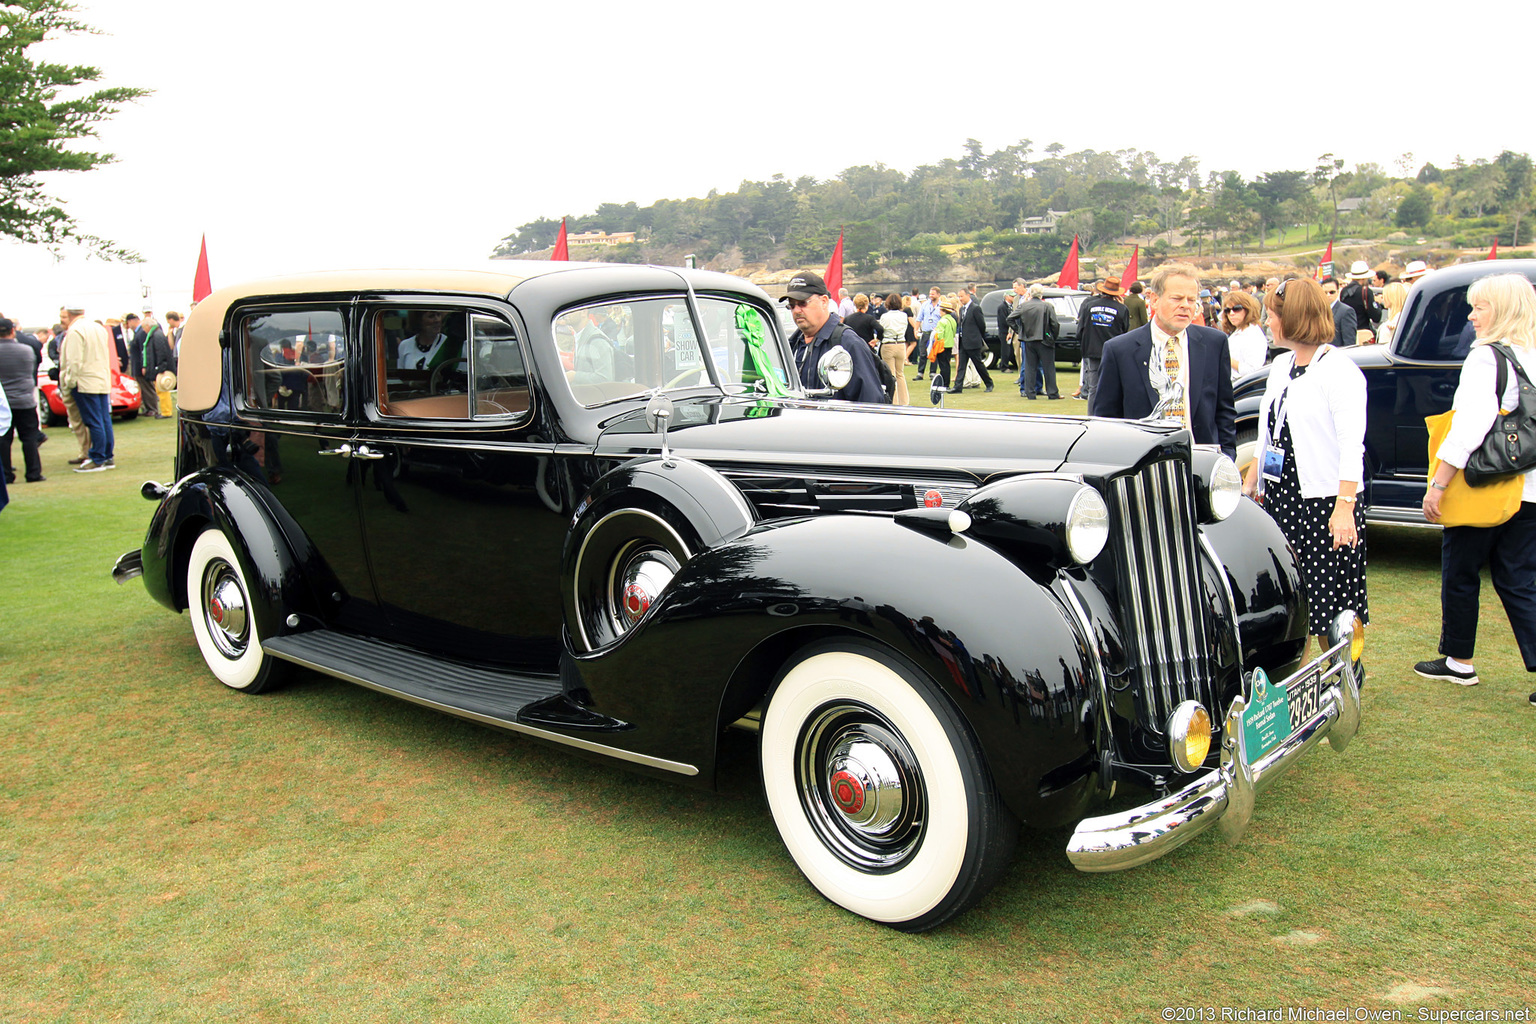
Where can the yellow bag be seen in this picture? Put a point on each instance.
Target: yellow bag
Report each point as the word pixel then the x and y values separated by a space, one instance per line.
pixel 1461 504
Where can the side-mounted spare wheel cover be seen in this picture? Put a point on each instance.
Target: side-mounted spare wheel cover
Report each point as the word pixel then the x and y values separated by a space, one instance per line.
pixel 632 533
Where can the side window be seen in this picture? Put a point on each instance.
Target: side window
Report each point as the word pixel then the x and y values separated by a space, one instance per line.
pixel 501 379
pixel 1440 332
pixel 445 363
pixel 295 359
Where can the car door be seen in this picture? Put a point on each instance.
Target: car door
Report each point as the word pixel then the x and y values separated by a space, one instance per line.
pixel 1421 381
pixel 297 402
pixel 462 514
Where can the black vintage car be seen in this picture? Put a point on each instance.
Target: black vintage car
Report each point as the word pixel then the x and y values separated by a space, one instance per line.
pixel 1065 301
pixel 591 504
pixel 1413 376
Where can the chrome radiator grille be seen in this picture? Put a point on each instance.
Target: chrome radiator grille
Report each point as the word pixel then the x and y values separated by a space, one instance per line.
pixel 1160 595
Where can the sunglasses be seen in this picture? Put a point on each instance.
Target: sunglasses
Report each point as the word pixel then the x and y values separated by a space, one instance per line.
pixel 1234 309
pixel 798 303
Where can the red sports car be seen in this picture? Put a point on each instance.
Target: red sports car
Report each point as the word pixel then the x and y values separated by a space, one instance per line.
pixel 125 398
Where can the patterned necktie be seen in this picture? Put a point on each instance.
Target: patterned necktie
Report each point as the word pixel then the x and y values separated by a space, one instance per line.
pixel 1171 365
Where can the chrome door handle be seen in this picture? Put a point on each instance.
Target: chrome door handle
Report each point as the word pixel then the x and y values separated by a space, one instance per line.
pixel 362 451
pixel 345 451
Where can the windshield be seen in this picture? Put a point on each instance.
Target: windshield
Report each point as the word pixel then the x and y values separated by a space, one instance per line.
pixel 616 349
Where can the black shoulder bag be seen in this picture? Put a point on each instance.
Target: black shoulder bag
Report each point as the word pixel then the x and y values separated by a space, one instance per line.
pixel 1510 446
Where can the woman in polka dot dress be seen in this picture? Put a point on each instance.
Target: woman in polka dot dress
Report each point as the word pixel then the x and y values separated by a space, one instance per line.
pixel 1311 454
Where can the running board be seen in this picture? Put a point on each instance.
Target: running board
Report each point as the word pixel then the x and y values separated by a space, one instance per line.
pixel 506 700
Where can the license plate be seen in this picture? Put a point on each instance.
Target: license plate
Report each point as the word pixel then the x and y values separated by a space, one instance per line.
pixel 1275 711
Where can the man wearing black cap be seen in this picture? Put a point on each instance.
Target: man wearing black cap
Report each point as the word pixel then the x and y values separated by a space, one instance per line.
pixel 820 329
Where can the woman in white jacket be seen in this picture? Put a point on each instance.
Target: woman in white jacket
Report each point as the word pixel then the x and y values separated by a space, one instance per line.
pixel 1503 309
pixel 1311 455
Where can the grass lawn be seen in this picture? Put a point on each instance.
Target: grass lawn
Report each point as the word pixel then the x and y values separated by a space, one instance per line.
pixel 171 850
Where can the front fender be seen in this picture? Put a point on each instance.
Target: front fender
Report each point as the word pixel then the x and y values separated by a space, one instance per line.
pixel 998 643
pixel 1265 580
pixel 278 562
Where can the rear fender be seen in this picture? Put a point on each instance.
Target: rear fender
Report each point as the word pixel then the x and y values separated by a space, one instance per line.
pixel 278 562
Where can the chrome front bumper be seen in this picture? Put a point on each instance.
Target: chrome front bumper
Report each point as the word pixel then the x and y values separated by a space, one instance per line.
pixel 1224 796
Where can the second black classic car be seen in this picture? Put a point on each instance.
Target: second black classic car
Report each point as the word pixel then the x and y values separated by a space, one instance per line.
pixel 591 504
pixel 1412 377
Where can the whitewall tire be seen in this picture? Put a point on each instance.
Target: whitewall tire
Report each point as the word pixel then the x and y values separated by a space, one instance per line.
pixel 224 618
pixel 878 790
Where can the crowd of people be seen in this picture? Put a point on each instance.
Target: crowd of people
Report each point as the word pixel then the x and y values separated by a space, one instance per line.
pixel 1159 358
pixel 82 356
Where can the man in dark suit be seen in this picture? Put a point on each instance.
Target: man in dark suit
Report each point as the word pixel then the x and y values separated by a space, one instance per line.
pixel 1343 317
pixel 1171 363
pixel 1358 297
pixel 972 341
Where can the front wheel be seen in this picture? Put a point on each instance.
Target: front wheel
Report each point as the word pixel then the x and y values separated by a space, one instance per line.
pixel 224 620
pixel 879 791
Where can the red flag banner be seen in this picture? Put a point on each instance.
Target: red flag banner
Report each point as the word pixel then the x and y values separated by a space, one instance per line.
pixel 202 283
pixel 562 250
pixel 1129 277
pixel 834 274
pixel 1325 268
pixel 1068 278
pixel 1493 253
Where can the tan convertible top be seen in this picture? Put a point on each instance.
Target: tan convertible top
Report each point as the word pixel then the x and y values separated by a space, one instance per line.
pixel 199 356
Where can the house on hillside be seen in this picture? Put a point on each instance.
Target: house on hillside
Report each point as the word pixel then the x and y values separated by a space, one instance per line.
pixel 1045 225
pixel 601 238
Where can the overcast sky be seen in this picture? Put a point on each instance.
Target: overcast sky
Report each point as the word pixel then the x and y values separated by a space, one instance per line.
pixel 318 134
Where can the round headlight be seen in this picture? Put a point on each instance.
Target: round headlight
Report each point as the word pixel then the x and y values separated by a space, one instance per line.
pixel 1226 488
pixel 1189 735
pixel 1087 525
pixel 835 368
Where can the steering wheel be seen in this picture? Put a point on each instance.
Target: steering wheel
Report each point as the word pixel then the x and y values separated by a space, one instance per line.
pixel 697 371
pixel 439 372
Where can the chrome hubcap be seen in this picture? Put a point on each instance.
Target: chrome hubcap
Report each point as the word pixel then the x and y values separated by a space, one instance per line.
pixel 224 609
pixel 640 575
pixel 861 787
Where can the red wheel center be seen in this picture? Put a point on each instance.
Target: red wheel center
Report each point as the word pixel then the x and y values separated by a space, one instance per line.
pixel 636 601
pixel 848 792
pixel 216 610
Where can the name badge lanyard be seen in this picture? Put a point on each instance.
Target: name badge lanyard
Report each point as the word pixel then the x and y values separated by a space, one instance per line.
pixel 1271 458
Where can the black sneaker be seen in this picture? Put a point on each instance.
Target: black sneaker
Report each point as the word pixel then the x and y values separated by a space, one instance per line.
pixel 1533 700
pixel 1438 669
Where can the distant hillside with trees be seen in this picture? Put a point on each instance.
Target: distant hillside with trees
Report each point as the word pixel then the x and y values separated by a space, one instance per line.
pixel 972 211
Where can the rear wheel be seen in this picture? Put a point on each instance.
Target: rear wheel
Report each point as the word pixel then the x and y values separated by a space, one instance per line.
pixel 224 620
pixel 879 791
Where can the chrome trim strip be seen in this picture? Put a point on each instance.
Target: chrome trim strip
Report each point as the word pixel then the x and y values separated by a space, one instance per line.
pixel 1222 797
pixel 500 723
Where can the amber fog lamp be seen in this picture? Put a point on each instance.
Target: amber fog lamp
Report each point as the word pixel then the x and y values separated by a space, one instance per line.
pixel 1348 624
pixel 1189 735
